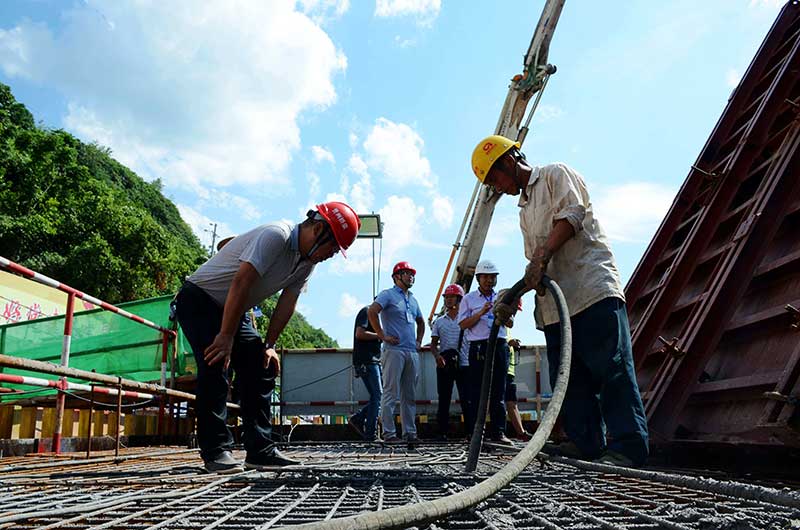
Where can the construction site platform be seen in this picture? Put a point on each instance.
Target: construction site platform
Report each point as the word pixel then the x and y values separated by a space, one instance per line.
pixel 167 488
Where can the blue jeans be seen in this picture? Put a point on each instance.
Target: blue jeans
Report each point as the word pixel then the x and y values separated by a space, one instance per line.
pixel 200 319
pixel 602 392
pixel 368 415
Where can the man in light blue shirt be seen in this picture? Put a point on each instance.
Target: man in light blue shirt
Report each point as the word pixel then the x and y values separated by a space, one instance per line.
pixel 401 328
pixel 475 317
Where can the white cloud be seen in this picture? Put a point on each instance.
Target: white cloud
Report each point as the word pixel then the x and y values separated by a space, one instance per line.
pixel 357 165
pixel 400 42
pixel 395 149
pixel 499 230
pixel 402 228
pixel 349 306
pixel 402 219
pixel 323 11
pixel 545 113
pixel 241 205
pixel 732 77
pixel 352 139
pixel 320 153
pixel 424 10
pixel 313 185
pixel 442 208
pixel 174 103
pixel 632 212
pixel 202 225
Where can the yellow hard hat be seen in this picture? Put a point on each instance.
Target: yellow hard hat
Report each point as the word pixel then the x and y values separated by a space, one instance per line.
pixel 489 150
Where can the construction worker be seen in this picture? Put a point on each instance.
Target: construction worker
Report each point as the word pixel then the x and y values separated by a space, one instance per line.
pixel 511 392
pixel 476 318
pixel 211 308
pixel 401 328
pixel 367 367
pixel 562 236
pixel 451 355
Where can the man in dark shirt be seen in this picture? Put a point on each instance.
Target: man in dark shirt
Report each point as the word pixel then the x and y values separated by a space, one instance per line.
pixel 367 366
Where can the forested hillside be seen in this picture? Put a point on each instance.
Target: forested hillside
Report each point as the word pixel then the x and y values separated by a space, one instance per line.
pixel 72 212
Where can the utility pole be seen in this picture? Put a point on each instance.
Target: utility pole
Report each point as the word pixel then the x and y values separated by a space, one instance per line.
pixel 213 236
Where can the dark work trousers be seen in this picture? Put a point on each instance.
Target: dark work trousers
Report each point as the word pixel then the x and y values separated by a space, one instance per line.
pixel 445 378
pixel 602 391
pixel 497 405
pixel 200 319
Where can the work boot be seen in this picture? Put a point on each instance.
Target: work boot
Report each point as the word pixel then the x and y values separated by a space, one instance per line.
pixel 392 439
pixel 263 461
pixel 524 436
pixel 356 425
pixel 502 439
pixel 567 449
pixel 613 458
pixel 223 463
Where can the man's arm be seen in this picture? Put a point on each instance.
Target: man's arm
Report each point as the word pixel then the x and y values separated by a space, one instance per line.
pixel 363 334
pixel 561 232
pixel 284 310
pixel 471 320
pixel 372 314
pixel 235 306
pixel 420 331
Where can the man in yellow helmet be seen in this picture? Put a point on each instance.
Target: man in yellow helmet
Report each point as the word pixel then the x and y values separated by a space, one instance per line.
pixel 562 236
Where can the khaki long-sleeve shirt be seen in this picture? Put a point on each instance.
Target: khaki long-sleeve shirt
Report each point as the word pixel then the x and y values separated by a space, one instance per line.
pixel 584 267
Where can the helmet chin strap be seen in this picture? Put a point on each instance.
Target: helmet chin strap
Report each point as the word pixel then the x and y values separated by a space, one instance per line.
pixel 321 239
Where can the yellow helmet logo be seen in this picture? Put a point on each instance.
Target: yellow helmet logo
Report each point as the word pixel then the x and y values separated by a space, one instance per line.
pixel 488 151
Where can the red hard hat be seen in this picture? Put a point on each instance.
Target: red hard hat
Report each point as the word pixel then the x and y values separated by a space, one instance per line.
pixel 343 220
pixel 453 289
pixel 403 266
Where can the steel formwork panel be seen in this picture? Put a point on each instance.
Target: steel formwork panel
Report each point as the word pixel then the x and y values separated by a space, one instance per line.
pixel 708 302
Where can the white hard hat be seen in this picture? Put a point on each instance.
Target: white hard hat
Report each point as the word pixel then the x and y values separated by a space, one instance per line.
pixel 486 267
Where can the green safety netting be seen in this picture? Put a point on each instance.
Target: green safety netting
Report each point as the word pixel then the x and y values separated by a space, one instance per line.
pixel 101 341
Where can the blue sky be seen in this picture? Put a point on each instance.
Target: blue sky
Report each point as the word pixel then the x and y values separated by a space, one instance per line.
pixel 251 112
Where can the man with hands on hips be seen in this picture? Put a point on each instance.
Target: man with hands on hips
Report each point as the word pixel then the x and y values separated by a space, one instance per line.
pixel 397 320
pixel 211 308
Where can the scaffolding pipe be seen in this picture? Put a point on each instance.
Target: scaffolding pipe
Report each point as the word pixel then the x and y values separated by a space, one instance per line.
pixel 65 350
pixel 419 514
pixel 49 368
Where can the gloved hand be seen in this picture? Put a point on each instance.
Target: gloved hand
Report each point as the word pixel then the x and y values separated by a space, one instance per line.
pixel 504 313
pixel 535 270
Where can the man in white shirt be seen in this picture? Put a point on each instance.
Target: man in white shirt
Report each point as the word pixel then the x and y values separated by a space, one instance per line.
pixel 475 317
pixel 562 235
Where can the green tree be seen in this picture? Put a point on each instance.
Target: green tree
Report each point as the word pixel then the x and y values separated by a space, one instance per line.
pixel 72 212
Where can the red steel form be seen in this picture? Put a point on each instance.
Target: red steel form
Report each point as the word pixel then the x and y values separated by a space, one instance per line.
pixel 714 282
pixel 73 293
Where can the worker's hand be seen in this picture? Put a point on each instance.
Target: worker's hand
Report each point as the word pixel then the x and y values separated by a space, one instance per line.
pixel 514 343
pixel 271 359
pixel 440 362
pixel 504 313
pixel 486 308
pixel 391 339
pixel 419 345
pixel 535 270
pixel 219 351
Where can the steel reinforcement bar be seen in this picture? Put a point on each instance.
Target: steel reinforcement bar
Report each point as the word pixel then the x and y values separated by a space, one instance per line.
pixel 426 511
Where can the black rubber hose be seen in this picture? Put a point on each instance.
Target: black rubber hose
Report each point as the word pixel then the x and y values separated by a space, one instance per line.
pixel 420 513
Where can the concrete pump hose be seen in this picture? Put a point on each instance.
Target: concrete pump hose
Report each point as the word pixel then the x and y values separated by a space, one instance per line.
pixel 429 511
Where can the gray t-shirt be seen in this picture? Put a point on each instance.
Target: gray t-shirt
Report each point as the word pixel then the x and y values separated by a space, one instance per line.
pixel 272 249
